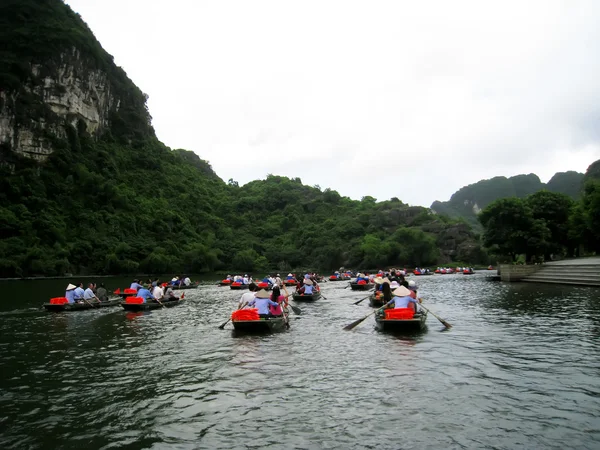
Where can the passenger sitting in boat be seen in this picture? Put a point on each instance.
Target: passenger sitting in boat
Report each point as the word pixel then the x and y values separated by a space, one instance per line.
pixel 169 294
pixel 158 292
pixel 246 280
pixel 247 296
pixel 145 294
pixel 278 281
pixel 136 285
pixel 277 311
pixel 88 294
pixel 402 299
pixel 267 279
pixel 101 293
pixel 307 289
pixel 70 293
pixel 290 276
pixel 187 281
pixel 386 291
pixel 412 287
pixel 262 301
pixel 361 277
pixel 155 282
pixel 79 292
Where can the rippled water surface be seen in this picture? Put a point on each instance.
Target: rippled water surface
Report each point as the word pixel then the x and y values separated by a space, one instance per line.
pixel 519 369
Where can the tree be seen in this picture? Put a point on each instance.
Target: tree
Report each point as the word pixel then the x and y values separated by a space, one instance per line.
pixel 554 210
pixel 510 229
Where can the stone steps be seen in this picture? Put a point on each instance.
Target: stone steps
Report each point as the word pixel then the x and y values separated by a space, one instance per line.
pixel 582 274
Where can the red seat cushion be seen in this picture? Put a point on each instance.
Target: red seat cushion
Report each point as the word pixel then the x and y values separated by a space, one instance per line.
pixel 262 284
pixel 399 313
pixel 134 300
pixel 130 291
pixel 245 314
pixel 58 301
pixel 236 284
pixel 362 282
pixel 226 281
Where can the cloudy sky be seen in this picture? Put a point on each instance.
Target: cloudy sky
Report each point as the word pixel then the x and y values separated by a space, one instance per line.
pixel 382 98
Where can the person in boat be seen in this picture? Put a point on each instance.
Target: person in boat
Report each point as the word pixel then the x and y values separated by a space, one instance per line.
pixel 361 277
pixel 402 299
pixel 267 279
pixel 187 281
pixel 175 281
pixel 412 287
pixel 79 293
pixel 308 288
pixel 158 292
pixel 70 293
pixel 102 293
pixel 247 296
pixel 386 290
pixel 169 294
pixel 145 294
pixel 246 280
pixel 277 311
pixel 136 285
pixel 278 281
pixel 262 302
pixel 290 276
pixel 89 294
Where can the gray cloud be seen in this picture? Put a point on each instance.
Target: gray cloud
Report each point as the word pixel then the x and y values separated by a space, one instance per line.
pixel 383 98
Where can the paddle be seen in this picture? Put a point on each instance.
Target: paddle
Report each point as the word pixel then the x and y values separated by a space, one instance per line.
pixel 446 324
pixel 296 310
pixel 85 300
pixel 160 303
pixel 356 322
pixel 362 299
pixel 222 326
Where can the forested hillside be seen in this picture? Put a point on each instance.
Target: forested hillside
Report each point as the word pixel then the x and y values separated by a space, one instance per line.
pixel 86 187
pixel 468 201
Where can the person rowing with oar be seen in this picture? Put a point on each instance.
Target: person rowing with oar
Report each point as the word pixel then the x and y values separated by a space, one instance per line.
pixel 247 296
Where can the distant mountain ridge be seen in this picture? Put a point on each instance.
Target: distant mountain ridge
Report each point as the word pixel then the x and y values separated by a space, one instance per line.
pixel 469 200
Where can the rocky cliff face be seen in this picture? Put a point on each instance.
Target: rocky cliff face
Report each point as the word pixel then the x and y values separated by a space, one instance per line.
pixel 70 93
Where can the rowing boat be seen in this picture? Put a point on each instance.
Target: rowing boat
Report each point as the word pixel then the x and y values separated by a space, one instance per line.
pixel 361 287
pixel 129 306
pixel 80 306
pixel 306 297
pixel 260 325
pixel 191 286
pixel 238 286
pixel 416 323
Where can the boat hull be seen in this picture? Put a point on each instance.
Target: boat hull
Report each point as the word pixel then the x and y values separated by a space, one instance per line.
pixel 151 305
pixel 239 288
pixel 81 306
pixel 401 325
pixel 361 287
pixel 191 286
pixel 306 298
pixel 259 326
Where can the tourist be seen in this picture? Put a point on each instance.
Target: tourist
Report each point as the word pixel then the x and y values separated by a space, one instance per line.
pixel 70 293
pixel 247 296
pixel 136 285
pixel 262 302
pixel 145 293
pixel 276 296
pixel 169 294
pixel 402 299
pixel 79 292
pixel 158 292
pixel 101 293
pixel 187 281
pixel 307 289
pixel 412 287
pixel 88 294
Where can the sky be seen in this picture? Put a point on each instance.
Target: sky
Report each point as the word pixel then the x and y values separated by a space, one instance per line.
pixel 388 99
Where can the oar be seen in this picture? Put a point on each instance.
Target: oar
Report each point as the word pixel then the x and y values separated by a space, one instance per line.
pixel 362 299
pixel 446 324
pixel 160 303
pixel 322 295
pixel 296 310
pixel 85 300
pixel 356 322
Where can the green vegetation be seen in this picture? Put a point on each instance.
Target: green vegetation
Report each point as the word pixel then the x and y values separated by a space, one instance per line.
pixel 467 201
pixel 545 224
pixel 118 201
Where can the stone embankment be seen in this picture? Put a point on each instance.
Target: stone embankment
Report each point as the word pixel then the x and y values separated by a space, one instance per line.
pixel 581 271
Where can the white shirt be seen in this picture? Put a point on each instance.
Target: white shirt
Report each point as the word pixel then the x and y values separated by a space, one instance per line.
pixel 187 281
pixel 246 298
pixel 278 282
pixel 246 281
pixel 158 292
pixel 88 294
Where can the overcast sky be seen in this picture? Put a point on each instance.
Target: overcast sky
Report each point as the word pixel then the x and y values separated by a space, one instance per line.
pixel 412 99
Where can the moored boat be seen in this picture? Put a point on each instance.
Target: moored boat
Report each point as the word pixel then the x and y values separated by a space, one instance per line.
pixel 400 319
pixel 59 304
pixel 306 297
pixel 137 304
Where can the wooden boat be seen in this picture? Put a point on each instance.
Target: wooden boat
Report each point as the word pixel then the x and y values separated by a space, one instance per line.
pixel 467 272
pixel 417 323
pixel 361 287
pixel 59 306
pixel 238 286
pixel 306 298
pixel 224 282
pixel 260 325
pixel 290 282
pixel 376 302
pixel 150 304
pixel 182 287
pixel 334 278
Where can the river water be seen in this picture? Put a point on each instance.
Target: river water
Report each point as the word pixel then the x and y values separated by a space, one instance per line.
pixel 519 369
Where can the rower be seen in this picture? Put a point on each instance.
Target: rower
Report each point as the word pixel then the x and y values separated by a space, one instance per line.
pixel 136 285
pixel 101 293
pixel 158 292
pixel 88 294
pixel 145 294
